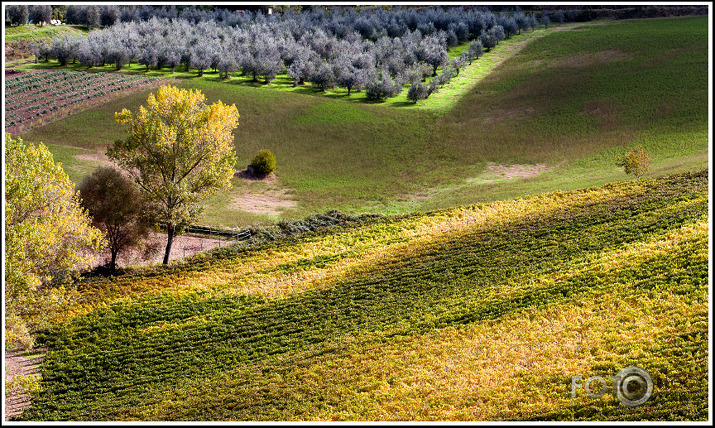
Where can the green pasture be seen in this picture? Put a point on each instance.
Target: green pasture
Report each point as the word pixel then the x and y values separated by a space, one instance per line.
pixel 34 32
pixel 569 100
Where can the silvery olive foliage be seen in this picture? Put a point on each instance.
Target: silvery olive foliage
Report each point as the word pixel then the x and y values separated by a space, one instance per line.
pixel 327 47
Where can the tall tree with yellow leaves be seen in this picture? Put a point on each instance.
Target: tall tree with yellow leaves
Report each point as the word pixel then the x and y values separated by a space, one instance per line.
pixel 179 151
pixel 48 237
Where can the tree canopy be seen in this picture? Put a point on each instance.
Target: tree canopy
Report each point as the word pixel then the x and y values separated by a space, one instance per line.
pixel 48 236
pixel 114 203
pixel 179 151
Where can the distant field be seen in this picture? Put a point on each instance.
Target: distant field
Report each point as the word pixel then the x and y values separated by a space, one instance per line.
pixel 473 313
pixel 18 38
pixel 559 109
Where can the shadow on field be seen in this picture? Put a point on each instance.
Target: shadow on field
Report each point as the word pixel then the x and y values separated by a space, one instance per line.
pixel 109 361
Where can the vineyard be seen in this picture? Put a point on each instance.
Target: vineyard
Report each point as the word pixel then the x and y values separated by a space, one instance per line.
pixel 481 312
pixel 448 234
pixel 33 99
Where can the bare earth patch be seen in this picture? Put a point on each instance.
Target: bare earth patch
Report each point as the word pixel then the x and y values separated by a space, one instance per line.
pixel 183 246
pixel 101 158
pixel 16 364
pixel 493 172
pixel 500 114
pixel 271 200
pixel 496 171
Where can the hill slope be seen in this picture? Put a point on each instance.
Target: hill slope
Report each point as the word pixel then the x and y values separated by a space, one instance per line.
pixel 479 313
pixel 570 100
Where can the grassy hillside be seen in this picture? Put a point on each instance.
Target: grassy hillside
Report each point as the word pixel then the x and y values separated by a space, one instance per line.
pixel 35 32
pixel 18 39
pixel 481 312
pixel 566 103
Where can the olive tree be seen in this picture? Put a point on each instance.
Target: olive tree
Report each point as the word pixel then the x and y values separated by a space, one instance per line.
pixel 17 14
pixel 436 56
pixel 108 15
pixel 41 14
pixel 418 91
pixel 91 15
pixel 475 50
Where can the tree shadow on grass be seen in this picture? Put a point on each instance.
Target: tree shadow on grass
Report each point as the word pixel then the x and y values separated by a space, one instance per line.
pixel 403 104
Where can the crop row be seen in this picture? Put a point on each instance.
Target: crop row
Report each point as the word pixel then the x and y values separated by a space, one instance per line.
pixel 114 355
pixel 33 96
pixel 43 80
pixel 90 88
pixel 86 86
pixel 68 89
pixel 39 80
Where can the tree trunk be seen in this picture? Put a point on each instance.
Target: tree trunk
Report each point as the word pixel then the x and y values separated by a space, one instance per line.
pixel 113 263
pixel 170 233
pixel 349 87
pixel 173 68
pixel 201 72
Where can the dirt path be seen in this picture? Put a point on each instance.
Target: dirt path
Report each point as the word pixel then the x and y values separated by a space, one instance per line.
pixel 17 363
pixel 183 246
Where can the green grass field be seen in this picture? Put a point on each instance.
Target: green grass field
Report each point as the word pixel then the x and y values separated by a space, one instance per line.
pixel 481 312
pixel 35 32
pixel 571 99
pixel 18 40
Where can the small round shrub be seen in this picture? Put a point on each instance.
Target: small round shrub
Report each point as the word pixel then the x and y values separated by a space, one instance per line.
pixel 636 161
pixel 264 163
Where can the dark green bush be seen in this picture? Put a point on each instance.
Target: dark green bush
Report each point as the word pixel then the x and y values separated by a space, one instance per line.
pixel 264 163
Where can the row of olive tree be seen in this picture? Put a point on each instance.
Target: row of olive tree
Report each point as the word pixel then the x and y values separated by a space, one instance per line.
pixel 264 50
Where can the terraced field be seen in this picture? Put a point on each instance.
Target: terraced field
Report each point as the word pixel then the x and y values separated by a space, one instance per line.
pixel 482 312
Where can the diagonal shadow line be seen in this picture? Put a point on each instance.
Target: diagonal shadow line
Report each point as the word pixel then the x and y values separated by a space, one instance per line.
pixel 394 300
